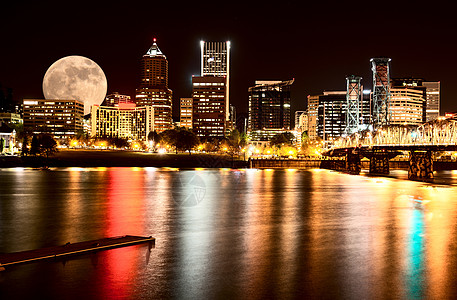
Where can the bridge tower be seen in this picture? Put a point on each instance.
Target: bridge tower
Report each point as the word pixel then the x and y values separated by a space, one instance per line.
pixel 381 91
pixel 353 99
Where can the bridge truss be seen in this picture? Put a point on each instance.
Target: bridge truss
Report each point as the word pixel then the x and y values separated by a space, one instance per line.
pixel 437 132
pixel 381 91
pixel 353 99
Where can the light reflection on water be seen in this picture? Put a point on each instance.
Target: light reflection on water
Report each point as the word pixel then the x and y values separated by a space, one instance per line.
pixel 246 233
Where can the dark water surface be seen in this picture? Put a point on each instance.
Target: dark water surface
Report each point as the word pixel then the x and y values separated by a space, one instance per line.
pixel 236 234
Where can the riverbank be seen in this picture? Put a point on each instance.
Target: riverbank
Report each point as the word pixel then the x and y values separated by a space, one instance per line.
pixel 115 158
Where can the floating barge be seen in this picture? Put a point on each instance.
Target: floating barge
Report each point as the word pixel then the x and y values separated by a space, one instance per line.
pixel 9 259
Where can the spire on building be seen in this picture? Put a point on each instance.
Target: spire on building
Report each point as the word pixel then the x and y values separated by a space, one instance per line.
pixel 154 50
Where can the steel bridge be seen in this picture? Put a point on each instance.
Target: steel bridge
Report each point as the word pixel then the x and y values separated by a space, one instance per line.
pixel 419 143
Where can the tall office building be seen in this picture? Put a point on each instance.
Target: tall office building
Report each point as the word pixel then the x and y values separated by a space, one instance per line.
pixel 407 106
pixel 407 101
pixel 269 109
pixel 153 90
pixel 209 109
pixel 215 61
pixel 327 114
pixel 432 100
pixel 313 106
pixel 62 118
pixel 331 115
pixel 185 119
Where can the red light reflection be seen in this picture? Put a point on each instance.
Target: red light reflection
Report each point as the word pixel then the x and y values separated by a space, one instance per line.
pixel 125 206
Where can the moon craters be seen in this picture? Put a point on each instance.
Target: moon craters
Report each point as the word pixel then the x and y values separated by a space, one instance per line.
pixel 75 77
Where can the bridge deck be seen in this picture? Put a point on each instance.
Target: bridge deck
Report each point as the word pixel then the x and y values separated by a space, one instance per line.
pixel 390 148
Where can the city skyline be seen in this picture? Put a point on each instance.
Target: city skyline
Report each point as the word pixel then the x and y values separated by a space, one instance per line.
pixel 311 45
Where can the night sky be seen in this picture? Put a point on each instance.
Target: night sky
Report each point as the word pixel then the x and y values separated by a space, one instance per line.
pixel 318 45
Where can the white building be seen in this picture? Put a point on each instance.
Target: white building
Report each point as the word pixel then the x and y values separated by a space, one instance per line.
pixel 8 135
pixel 406 106
pixel 126 121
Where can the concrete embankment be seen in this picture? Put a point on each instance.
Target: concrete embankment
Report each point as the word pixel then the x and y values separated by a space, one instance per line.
pixel 116 158
pixel 284 163
pixel 317 163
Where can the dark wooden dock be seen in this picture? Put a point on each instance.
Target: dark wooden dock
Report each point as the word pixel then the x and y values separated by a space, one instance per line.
pixel 8 259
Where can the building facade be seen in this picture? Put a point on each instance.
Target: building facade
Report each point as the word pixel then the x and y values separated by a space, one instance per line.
pixel 331 115
pixel 407 106
pixel 7 138
pixel 410 83
pixel 432 98
pixel 124 121
pixel 303 123
pixel 215 61
pixel 62 118
pixel 209 106
pixel 10 118
pixel 430 94
pixel 327 114
pixel 298 114
pixel 313 106
pixel 153 90
pixel 185 112
pixel 115 99
pixel 269 109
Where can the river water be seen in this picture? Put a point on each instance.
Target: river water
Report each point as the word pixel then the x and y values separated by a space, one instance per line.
pixel 231 234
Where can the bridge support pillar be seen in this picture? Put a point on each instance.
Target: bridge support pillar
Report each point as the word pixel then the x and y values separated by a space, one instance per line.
pixel 333 164
pixel 420 165
pixel 353 164
pixel 340 165
pixel 379 163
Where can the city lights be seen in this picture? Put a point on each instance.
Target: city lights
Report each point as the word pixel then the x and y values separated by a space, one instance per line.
pixel 257 150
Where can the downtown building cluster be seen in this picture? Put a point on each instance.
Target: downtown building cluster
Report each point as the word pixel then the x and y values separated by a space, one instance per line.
pixel 392 101
pixel 208 113
pixel 120 117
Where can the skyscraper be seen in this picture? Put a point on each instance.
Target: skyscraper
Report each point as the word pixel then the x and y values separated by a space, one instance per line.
pixel 327 113
pixel 153 89
pixel 209 110
pixel 331 115
pixel 215 61
pixel 269 109
pixel 433 100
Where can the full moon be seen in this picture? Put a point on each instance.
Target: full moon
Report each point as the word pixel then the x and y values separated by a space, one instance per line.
pixel 75 78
